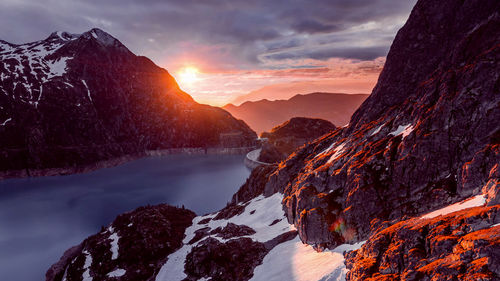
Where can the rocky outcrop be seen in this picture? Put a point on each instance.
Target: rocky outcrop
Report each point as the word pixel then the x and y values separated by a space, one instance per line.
pixel 133 247
pixel 427 136
pixel 70 101
pixel 284 139
pixel 459 246
pixel 263 115
pixel 166 243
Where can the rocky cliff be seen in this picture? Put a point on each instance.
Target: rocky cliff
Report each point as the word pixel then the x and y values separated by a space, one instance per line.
pixel 427 136
pixel 408 191
pixel 285 138
pixel 72 100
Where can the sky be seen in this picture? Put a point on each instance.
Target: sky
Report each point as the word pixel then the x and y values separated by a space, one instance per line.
pixel 219 50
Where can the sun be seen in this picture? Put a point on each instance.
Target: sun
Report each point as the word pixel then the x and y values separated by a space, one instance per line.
pixel 188 75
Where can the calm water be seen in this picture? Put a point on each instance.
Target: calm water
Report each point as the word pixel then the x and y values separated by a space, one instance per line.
pixel 42 217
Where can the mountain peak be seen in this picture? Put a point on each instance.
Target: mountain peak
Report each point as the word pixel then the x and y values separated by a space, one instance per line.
pixel 95 34
pixel 102 37
pixel 63 35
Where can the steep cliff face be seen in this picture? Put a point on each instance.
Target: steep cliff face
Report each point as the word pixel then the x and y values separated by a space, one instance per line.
pixel 427 136
pixel 72 100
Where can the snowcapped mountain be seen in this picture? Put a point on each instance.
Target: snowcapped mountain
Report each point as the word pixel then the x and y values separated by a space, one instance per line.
pixel 409 190
pixel 72 100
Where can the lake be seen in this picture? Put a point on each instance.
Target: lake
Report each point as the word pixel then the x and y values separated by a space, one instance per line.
pixel 42 217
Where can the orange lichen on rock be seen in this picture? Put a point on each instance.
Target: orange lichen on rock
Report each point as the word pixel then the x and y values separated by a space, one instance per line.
pixel 459 246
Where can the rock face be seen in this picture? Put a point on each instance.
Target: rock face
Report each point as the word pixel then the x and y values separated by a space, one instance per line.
pixel 133 247
pixel 287 137
pixel 263 115
pixel 427 136
pixel 72 100
pixel 460 246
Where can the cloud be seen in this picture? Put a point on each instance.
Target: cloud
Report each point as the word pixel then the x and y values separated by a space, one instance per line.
pixel 238 45
pixel 360 53
pixel 247 29
pixel 312 26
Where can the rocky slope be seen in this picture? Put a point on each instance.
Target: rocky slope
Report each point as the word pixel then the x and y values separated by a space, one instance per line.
pixel 428 135
pixel 263 115
pixel 72 100
pixel 284 139
pixel 459 246
pixel 132 244
pixel 411 185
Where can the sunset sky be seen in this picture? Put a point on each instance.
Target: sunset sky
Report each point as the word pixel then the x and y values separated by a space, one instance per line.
pixel 219 50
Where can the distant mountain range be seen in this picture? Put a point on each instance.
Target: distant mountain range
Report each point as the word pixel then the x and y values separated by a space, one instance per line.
pixel 73 100
pixel 284 91
pixel 263 115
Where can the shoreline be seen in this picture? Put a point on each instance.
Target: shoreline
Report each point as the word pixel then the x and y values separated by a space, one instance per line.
pixel 32 173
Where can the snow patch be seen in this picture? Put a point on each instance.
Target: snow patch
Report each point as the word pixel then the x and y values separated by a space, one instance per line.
pixel 476 201
pixel 259 214
pixel 338 151
pixel 57 67
pixel 404 130
pixel 31 58
pixel 86 267
pixel 88 91
pixel 326 150
pixel 377 130
pixel 5 122
pixel 293 260
pixel 114 242
pixel 495 225
pixel 116 273
pixel 102 37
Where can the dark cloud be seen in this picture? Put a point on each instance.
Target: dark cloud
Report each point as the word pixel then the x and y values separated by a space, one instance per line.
pixel 312 26
pixel 354 29
pixel 357 53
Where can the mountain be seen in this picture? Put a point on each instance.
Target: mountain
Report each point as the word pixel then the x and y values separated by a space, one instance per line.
pixel 263 115
pixel 284 91
pixel 70 101
pixel 428 133
pixel 410 190
pixel 284 139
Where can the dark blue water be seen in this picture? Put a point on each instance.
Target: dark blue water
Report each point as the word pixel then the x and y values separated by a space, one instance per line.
pixel 42 217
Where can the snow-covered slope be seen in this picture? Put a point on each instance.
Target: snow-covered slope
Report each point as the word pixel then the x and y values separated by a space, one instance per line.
pixel 249 240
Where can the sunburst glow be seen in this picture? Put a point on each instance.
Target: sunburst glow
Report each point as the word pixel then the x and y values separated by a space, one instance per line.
pixel 188 75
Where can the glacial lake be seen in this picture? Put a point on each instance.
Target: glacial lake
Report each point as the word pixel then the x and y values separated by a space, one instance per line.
pixel 42 217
